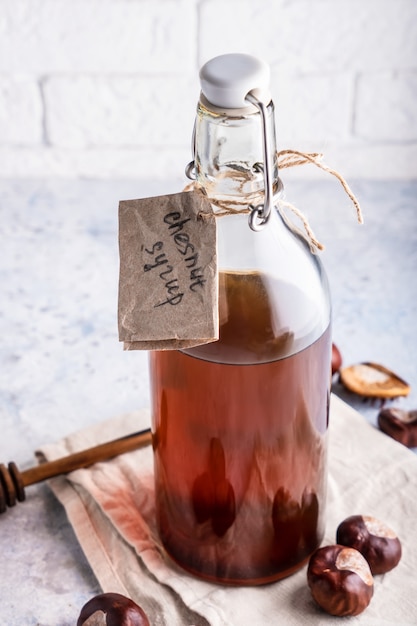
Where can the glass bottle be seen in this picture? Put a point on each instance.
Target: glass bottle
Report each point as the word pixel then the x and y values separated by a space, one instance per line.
pixel 240 425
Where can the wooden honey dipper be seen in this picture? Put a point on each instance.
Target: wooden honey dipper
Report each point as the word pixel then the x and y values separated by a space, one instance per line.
pixel 13 481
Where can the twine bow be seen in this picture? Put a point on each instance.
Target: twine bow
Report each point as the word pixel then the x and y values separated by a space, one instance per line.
pixel 294 158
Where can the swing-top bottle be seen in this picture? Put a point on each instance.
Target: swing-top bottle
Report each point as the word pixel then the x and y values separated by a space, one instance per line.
pixel 240 424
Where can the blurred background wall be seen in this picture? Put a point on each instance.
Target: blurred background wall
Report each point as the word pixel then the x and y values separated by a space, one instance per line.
pixel 107 88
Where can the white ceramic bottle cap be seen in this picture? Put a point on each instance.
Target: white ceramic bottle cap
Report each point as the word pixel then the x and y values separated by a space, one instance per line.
pixel 228 78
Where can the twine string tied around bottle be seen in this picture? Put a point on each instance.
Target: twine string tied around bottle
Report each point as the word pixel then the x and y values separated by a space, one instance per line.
pixel 290 158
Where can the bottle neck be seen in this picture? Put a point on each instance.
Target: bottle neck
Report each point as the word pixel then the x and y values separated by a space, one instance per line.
pixel 229 154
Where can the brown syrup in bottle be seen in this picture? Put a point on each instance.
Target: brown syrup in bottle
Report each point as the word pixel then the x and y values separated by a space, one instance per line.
pixel 240 440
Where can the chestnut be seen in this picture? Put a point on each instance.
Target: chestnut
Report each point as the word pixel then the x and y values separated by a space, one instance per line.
pixel 399 424
pixel 112 609
pixel 336 359
pixel 213 496
pixel 374 539
pixel 340 580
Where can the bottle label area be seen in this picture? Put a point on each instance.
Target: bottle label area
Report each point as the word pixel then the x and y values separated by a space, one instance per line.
pixel 168 272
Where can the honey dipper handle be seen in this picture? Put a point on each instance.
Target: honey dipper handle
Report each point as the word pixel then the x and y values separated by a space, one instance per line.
pixel 85 458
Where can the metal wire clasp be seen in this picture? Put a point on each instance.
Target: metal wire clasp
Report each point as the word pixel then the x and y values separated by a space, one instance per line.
pixel 260 214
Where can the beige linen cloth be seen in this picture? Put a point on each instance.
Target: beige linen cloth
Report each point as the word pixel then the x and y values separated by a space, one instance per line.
pixel 111 508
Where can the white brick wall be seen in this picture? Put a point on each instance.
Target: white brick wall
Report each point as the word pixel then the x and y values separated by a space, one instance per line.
pixel 107 88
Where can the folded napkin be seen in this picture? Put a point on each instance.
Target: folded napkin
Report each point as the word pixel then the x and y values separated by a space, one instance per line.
pixel 111 508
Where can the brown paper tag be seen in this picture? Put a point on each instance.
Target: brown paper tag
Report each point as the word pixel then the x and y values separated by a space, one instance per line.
pixel 168 272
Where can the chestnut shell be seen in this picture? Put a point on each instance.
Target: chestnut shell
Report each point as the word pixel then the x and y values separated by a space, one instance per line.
pixel 336 359
pixel 399 424
pixel 372 380
pixel 118 609
pixel 340 592
pixel 383 553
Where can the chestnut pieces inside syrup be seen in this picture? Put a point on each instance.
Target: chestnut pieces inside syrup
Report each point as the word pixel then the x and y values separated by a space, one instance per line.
pixel 374 539
pixel 340 580
pixel 112 609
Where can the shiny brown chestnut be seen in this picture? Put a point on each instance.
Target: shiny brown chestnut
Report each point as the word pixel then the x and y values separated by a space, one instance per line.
pixel 374 539
pixel 112 609
pixel 340 580
pixel 336 359
pixel 399 424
